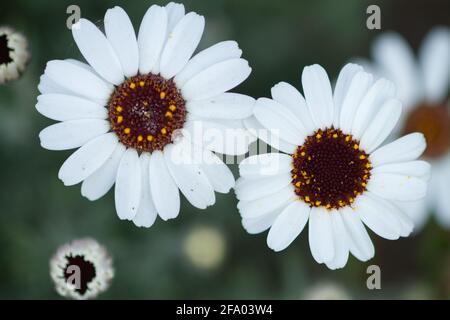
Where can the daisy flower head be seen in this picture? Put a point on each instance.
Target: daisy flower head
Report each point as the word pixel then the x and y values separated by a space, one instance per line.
pixel 423 84
pixel 332 172
pixel 130 112
pixel 81 269
pixel 14 54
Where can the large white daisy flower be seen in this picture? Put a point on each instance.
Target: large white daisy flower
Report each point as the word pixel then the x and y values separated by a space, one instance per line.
pixel 423 85
pixel 14 54
pixel 333 173
pixel 124 109
pixel 81 269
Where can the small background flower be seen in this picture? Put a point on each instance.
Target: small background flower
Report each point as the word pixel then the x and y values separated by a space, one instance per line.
pixel 38 214
pixel 81 269
pixel 14 54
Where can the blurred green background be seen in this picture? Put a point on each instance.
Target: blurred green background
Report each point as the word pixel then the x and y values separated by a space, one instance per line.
pixel 37 213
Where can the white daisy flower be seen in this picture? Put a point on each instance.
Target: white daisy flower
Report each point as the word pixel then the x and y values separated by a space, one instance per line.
pixel 81 269
pixel 14 54
pixel 123 109
pixel 333 173
pixel 423 85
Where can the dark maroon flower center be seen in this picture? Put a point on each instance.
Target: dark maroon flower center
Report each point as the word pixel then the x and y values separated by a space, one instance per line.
pixel 5 57
pixel 145 111
pixel 434 122
pixel 330 169
pixel 79 272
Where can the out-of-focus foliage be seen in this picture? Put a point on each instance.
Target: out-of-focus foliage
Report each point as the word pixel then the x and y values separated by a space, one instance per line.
pixel 37 213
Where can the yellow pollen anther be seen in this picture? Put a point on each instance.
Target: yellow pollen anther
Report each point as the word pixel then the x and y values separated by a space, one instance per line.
pixel 364 184
pixel 169 114
pixel 163 130
pixel 351 200
pixel 172 107
pixel 347 138
pixel 303 153
pixel 119 109
pixel 150 138
pixel 318 203
pixel 307 199
pixel 328 206
pixel 335 136
pixel 162 95
pixel 362 157
pixel 127 130
pixel 119 119
pixel 355 146
pixel 132 85
pixel 140 138
pixel 318 136
pixel 298 184
pixel 142 83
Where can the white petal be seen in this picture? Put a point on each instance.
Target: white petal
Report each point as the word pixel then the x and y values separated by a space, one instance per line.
pixel 128 185
pixel 72 134
pixel 396 59
pixel 435 62
pixel 268 136
pixel 217 172
pixel 397 186
pixel 260 224
pixel 342 86
pixel 321 235
pixel 175 12
pixel 288 225
pixel 420 169
pixel 151 38
pixel 88 159
pixel 417 211
pixel 341 242
pixel 401 221
pixel 164 191
pixel 181 44
pixel 377 217
pixel 62 107
pixel 406 148
pixel 100 182
pixel 78 79
pixel 259 207
pixel 318 94
pixel 120 33
pixel 381 125
pixel 268 164
pixel 443 199
pixel 359 85
pixel 370 104
pixel 97 50
pixel 48 86
pixel 225 106
pixel 146 214
pixel 359 241
pixel 221 136
pixel 291 98
pixel 217 79
pixel 252 189
pixel 188 176
pixel 280 120
pixel 220 52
